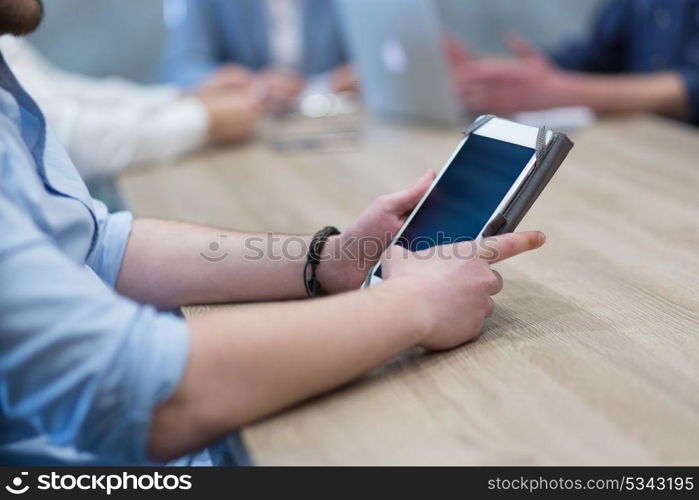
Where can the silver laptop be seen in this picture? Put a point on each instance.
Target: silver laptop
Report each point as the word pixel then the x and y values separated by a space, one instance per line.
pixel 396 47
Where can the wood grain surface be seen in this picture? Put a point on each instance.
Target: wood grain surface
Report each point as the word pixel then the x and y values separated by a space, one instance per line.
pixel 592 355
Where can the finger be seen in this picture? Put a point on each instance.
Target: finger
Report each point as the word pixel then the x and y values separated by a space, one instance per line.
pixel 497 288
pixel 484 78
pixel 523 49
pixel 488 70
pixel 490 307
pixel 261 89
pixel 404 201
pixel 419 189
pixel 456 51
pixel 233 76
pixel 256 98
pixel 255 108
pixel 499 248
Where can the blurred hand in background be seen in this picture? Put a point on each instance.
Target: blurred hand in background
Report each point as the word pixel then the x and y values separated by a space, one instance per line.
pixel 530 80
pixel 344 79
pixel 228 77
pixel 278 88
pixel 274 88
pixel 502 85
pixel 233 114
pixel 274 46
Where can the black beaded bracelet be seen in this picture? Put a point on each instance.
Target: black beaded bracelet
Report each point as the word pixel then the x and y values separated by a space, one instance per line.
pixel 313 287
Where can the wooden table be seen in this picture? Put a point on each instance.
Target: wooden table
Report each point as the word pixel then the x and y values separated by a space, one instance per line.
pixel 592 355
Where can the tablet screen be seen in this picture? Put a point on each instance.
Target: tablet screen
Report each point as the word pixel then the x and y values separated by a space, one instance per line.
pixel 467 194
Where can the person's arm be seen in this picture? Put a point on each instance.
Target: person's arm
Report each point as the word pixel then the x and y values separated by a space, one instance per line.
pixel 663 93
pixel 103 139
pixel 254 360
pixel 171 263
pixel 108 124
pixel 531 81
pixel 96 371
pixel 46 81
pixel 78 363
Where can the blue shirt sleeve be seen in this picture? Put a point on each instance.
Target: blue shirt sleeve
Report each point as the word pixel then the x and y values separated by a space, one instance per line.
pixel 191 49
pixel 604 49
pixel 113 232
pixel 79 363
pixel 690 76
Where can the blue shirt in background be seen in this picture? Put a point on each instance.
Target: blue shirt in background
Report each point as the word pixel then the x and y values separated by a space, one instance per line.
pixel 204 34
pixel 81 367
pixel 642 36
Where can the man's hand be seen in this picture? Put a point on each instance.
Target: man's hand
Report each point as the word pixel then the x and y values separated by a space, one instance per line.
pixel 530 81
pixel 278 88
pixel 498 85
pixel 253 360
pixel 452 285
pixel 348 257
pixel 344 79
pixel 229 77
pixel 233 115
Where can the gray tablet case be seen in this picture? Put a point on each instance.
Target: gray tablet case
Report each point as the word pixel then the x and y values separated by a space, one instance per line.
pixel 548 158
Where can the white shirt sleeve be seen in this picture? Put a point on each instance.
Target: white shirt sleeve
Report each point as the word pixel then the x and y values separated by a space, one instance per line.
pixel 109 124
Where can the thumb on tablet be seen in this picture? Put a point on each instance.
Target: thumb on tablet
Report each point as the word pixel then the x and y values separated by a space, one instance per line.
pixel 405 200
pixel 504 246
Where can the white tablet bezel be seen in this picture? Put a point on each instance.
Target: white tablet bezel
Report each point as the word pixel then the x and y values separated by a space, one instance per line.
pixel 496 128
